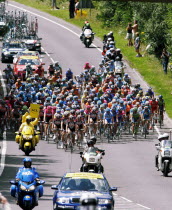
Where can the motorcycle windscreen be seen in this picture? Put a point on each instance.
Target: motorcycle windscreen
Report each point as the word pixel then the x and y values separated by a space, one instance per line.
pixel 27 175
pixel 92 151
pixel 27 130
pixel 87 32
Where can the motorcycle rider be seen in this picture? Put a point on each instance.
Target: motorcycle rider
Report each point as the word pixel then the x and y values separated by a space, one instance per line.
pixel 90 144
pixel 161 137
pixel 27 163
pixel 86 26
pixel 31 124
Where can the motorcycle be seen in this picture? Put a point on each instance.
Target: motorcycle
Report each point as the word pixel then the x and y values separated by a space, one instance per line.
pixel 26 137
pixel 87 37
pixel 163 160
pixel 92 160
pixel 119 68
pixel 27 189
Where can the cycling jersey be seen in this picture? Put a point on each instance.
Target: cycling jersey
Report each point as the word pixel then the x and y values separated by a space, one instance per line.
pixel 146 114
pixel 108 117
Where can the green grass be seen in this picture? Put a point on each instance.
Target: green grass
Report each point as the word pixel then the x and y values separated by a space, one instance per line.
pixel 148 66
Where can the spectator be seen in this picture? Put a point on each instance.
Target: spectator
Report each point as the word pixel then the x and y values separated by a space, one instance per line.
pixel 137 44
pixel 76 6
pixel 134 29
pixel 129 34
pixel 165 60
pixel 71 8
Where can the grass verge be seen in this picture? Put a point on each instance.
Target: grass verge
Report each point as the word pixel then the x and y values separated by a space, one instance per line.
pixel 148 66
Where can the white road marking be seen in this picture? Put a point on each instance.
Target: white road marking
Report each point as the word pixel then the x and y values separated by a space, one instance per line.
pixel 143 206
pixel 126 199
pixel 48 54
pixel 53 62
pixel 4 142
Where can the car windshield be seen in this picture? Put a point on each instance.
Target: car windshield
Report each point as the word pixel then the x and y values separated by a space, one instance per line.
pixel 69 184
pixel 166 143
pixel 25 62
pixel 16 45
pixel 30 37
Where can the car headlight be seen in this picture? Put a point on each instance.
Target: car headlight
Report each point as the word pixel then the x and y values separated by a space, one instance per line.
pixel 22 187
pixel 31 188
pixel 167 152
pixel 104 201
pixel 62 200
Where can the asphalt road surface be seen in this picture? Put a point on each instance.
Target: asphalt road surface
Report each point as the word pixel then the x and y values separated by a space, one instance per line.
pixel 129 164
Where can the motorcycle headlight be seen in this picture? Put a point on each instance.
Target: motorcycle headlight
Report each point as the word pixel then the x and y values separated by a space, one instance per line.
pixel 38 44
pixel 22 187
pixel 104 201
pixel 62 200
pixel 27 137
pixel 31 188
pixel 6 53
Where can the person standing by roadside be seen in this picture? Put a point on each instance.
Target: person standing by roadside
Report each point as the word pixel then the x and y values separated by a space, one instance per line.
pixel 137 44
pixel 165 60
pixel 71 8
pixel 76 6
pixel 134 29
pixel 129 34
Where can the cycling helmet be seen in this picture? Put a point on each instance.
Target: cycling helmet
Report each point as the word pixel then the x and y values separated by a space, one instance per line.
pixel 107 110
pixel 135 109
pixel 58 116
pixel 160 96
pixel 49 107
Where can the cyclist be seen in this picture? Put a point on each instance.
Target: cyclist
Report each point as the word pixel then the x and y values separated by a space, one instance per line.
pixel 93 119
pixel 161 107
pixel 71 127
pixel 48 116
pixel 108 119
pixel 16 116
pixel 3 115
pixel 135 120
pixel 64 123
pixel 146 116
pixel 154 108
pixel 57 126
pixel 80 121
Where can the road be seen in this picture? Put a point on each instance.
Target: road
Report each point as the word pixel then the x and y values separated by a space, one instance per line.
pixel 129 164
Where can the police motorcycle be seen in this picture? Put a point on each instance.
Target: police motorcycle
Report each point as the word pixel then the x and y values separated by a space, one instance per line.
pixel 163 160
pixel 92 159
pixel 87 37
pixel 27 188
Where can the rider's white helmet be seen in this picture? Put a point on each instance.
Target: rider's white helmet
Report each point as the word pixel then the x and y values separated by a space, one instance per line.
pixel 160 137
pixel 165 135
